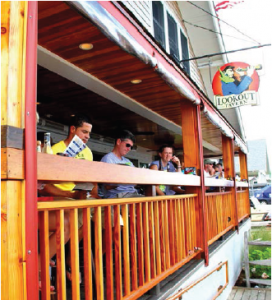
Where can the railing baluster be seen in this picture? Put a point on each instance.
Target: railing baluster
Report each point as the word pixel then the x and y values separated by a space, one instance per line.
pixel 44 254
pixel 151 240
pixel 61 275
pixel 157 237
pixel 178 229
pixel 188 226
pixel 166 234
pixel 146 242
pixel 193 212
pixel 182 226
pixel 162 238
pixel 109 258
pixel 98 253
pixel 171 232
pixel 117 253
pixel 139 226
pixel 87 253
pixel 74 252
pixel 126 250
pixel 133 254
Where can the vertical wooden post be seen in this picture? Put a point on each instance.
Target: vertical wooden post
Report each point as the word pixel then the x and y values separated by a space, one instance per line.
pixel 19 195
pixel 229 169
pixel 243 165
pixel 244 174
pixel 193 157
pixel 31 214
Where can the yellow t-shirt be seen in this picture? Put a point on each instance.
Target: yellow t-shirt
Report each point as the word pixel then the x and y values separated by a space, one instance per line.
pixel 84 154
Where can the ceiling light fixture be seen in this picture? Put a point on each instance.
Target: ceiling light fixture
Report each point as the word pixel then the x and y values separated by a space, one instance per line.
pixel 136 81
pixel 86 46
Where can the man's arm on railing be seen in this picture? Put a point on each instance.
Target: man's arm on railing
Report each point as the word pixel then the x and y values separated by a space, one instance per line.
pixel 52 190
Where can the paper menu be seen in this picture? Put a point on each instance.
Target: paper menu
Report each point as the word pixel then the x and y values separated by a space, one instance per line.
pixel 76 145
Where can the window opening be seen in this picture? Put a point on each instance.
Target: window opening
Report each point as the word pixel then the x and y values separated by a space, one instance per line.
pixel 158 22
pixel 185 53
pixel 173 37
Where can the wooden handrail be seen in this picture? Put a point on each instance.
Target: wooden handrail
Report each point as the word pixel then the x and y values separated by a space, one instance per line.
pixel 54 168
pixel 69 204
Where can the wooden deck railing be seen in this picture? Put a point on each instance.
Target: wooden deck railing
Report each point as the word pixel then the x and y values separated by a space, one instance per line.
pixel 243 204
pixel 158 236
pixel 220 210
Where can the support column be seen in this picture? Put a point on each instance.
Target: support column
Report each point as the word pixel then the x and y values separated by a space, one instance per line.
pixel 244 174
pixel 243 165
pixel 229 170
pixel 13 37
pixel 18 114
pixel 193 157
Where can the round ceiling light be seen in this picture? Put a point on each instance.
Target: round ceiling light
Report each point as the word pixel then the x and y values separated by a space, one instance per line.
pixel 136 81
pixel 86 46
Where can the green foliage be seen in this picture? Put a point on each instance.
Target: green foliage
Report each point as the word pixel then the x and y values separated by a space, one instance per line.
pixel 260 253
pixel 262 233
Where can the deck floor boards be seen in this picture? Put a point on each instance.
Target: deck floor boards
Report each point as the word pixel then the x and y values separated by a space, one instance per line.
pixel 243 293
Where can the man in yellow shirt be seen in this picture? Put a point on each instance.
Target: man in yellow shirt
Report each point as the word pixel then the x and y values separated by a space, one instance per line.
pixel 81 126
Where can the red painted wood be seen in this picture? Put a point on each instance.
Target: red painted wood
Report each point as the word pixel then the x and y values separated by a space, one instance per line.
pixel 31 214
pixel 202 190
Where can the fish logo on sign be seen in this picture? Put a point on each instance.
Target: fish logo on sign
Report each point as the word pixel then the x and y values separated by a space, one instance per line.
pixel 236 84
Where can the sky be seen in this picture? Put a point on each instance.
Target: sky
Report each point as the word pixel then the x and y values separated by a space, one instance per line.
pixel 253 18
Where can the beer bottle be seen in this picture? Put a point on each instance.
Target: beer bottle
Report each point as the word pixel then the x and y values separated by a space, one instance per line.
pixel 39 147
pixel 47 144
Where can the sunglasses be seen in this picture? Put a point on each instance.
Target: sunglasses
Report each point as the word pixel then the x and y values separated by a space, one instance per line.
pixel 129 146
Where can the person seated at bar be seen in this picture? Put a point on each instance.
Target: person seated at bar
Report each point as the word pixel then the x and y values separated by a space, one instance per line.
pixel 167 163
pixel 208 173
pixel 208 168
pixel 123 144
pixel 219 170
pixel 81 126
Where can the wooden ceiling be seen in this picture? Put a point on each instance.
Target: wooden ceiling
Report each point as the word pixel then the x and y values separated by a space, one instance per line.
pixel 61 30
pixel 60 98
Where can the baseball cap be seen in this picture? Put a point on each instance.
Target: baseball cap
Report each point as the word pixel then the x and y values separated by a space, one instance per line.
pixel 208 162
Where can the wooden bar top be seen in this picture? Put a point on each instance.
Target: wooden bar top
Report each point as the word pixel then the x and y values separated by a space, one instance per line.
pixel 54 168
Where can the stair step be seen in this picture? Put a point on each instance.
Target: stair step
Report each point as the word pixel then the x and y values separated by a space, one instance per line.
pixel 260 281
pixel 264 262
pixel 260 243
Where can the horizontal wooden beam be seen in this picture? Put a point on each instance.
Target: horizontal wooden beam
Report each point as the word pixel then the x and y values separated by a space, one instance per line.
pixel 12 164
pixel 12 137
pixel 218 182
pixel 68 204
pixel 54 168
pixel 57 168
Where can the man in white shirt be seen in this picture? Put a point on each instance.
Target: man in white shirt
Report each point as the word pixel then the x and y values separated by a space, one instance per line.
pixel 208 165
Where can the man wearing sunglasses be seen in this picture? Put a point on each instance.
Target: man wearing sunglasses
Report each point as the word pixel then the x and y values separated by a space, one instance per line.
pixel 123 144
